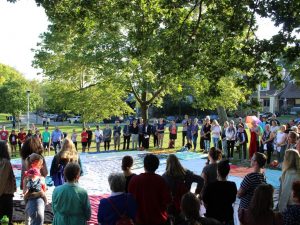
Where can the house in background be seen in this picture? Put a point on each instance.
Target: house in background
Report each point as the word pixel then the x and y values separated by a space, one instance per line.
pixel 290 98
pixel 282 99
pixel 269 97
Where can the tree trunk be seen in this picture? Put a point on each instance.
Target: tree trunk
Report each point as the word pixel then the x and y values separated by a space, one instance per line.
pixel 144 111
pixel 222 114
pixel 18 119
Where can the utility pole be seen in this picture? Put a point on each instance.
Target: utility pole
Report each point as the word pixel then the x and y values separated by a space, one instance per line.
pixel 28 94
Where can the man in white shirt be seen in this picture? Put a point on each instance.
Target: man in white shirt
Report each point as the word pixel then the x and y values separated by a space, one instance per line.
pixel 98 137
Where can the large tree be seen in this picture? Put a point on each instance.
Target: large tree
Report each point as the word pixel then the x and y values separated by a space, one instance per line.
pixel 152 47
pixel 13 92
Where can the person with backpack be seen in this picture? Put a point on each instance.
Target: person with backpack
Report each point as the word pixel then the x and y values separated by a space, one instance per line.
pixel 179 181
pixel 66 155
pixel 120 207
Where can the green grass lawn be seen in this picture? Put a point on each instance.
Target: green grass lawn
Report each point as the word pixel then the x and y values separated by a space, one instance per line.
pixel 3 118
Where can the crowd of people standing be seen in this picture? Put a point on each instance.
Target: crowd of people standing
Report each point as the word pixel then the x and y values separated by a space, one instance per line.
pixel 266 136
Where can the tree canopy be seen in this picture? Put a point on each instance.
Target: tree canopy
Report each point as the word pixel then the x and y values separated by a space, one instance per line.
pixel 13 88
pixel 151 48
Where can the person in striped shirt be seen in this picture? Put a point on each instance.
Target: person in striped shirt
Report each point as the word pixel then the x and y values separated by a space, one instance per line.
pixel 252 180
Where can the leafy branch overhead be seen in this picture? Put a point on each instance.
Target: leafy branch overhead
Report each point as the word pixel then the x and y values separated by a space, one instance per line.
pixel 153 47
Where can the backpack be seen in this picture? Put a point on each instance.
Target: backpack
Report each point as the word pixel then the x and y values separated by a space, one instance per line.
pixel 34 185
pixel 123 218
pixel 58 177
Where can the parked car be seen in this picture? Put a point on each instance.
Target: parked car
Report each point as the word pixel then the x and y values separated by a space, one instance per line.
pixel 114 119
pixel 268 115
pixel 74 119
pixel 60 118
pixel 130 119
pixel 52 116
pixel 295 111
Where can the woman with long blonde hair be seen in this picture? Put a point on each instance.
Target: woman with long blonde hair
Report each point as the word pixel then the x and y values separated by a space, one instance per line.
pixel 66 155
pixel 290 173
pixel 68 151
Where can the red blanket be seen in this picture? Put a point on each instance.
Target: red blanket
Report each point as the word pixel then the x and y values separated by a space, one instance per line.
pixel 19 208
pixel 94 200
pixel 238 171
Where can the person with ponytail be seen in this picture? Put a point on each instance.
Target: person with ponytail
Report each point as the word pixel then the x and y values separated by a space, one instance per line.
pixel 209 172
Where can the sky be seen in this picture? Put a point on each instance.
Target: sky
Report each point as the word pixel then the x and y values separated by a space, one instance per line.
pixel 21 24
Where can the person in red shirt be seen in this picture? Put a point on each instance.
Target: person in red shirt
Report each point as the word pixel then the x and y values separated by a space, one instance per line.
pixel 21 138
pixel 151 193
pixel 84 139
pixel 3 134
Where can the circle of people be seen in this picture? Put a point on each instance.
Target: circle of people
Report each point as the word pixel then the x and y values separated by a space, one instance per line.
pixel 149 198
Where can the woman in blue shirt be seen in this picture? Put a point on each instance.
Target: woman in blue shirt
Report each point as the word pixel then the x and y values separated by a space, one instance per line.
pixel 118 204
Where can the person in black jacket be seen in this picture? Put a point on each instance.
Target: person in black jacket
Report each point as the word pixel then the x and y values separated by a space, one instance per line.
pixel 154 132
pixel 146 138
pixel 219 196
pixel 179 181
pixel 126 135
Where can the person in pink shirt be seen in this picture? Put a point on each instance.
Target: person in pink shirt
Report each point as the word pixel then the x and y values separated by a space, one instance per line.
pixel 4 134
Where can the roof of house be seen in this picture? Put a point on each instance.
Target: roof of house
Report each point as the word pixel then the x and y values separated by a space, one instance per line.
pixel 269 93
pixel 291 91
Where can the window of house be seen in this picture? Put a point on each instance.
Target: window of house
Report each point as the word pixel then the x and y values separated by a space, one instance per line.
pixel 297 101
pixel 266 102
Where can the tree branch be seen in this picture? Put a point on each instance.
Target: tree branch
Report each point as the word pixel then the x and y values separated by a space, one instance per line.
pixel 83 88
pixel 187 16
pixel 156 94
pixel 136 95
pixel 252 20
pixel 199 18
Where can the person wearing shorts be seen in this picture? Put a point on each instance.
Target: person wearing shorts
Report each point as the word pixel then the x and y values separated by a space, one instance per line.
pixel 46 139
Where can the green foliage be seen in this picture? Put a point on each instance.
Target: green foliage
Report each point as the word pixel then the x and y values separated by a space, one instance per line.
pixel 94 103
pixel 13 89
pixel 152 48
